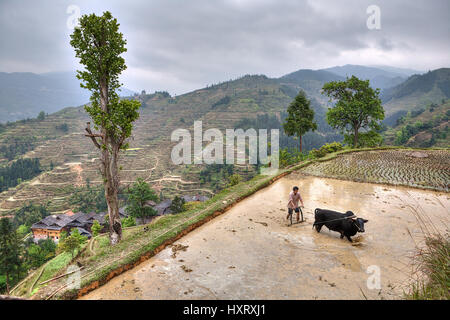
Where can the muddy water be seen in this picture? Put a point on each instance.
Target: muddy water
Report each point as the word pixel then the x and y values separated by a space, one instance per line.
pixel 250 253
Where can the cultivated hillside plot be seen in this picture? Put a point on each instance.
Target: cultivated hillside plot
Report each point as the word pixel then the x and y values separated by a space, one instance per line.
pixel 251 253
pixel 423 169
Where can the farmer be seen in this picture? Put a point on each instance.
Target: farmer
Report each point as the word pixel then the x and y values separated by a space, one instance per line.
pixel 294 197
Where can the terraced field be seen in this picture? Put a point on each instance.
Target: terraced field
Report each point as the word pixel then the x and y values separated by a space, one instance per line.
pixel 75 159
pixel 428 169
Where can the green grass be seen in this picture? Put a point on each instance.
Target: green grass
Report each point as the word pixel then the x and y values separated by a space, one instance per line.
pixel 56 264
pixel 434 264
pixel 47 271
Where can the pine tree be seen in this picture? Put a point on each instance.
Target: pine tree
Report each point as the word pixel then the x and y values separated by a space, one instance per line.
pixel 300 118
pixel 10 251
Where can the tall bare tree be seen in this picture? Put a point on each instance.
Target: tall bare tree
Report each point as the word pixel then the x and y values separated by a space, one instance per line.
pixel 99 45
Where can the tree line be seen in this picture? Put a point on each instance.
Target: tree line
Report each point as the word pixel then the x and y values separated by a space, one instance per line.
pixel 19 170
pixel 356 112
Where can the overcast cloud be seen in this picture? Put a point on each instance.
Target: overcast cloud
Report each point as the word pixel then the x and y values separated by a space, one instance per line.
pixel 179 45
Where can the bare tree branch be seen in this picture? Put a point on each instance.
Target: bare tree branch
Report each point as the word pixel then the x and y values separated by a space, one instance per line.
pixel 92 136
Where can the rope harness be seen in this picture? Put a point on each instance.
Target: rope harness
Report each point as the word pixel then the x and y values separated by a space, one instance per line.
pixel 354 222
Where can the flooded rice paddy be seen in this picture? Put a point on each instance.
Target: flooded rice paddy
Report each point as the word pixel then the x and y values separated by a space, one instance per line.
pixel 250 252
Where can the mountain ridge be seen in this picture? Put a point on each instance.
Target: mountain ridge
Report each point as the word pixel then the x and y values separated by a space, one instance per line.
pixel 25 94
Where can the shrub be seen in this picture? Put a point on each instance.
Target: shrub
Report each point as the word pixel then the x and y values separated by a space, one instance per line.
pixel 177 205
pixel 191 205
pixel 326 148
pixel 96 228
pixel 287 158
pixel 128 222
pixel 370 139
pixel 234 179
pixel 318 153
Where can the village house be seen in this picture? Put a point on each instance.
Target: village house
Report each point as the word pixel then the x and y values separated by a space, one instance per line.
pixel 163 207
pixel 52 226
pixel 196 198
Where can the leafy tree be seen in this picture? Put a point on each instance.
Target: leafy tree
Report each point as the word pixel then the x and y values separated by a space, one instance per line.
pixel 177 205
pixel 63 127
pixel 10 251
pixel 48 245
pixel 41 116
pixel 88 199
pixel 96 228
pixel 14 146
pixel 138 195
pixel 74 233
pixel 357 106
pixel 128 222
pixel 35 256
pixel 23 230
pixel 19 170
pixel 29 214
pixel 99 45
pixel 70 244
pixel 38 254
pixel 366 139
pixel 63 235
pixel 300 118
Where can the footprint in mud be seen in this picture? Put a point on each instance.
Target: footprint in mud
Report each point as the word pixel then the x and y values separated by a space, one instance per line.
pixel 189 291
pixel 125 282
pixel 185 269
pixel 176 248
pixel 331 284
pixel 262 223
pixel 341 251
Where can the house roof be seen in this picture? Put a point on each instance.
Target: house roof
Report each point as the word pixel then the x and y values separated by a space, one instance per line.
pixel 163 207
pixel 122 212
pixel 150 203
pixel 52 222
pixel 84 232
pixel 74 220
pixel 195 198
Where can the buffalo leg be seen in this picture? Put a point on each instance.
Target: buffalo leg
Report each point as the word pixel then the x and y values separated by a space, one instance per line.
pixel 318 227
pixel 349 239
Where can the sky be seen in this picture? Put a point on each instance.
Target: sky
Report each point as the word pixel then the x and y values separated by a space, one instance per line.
pixel 179 45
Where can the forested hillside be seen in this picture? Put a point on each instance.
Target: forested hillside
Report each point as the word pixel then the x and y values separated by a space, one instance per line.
pixel 426 127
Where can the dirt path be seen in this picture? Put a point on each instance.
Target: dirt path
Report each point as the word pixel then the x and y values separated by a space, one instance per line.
pixel 250 253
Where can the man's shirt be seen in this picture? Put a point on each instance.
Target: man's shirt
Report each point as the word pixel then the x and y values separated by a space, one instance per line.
pixel 294 199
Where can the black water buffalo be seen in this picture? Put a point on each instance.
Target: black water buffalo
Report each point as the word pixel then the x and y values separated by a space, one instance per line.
pixel 340 222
